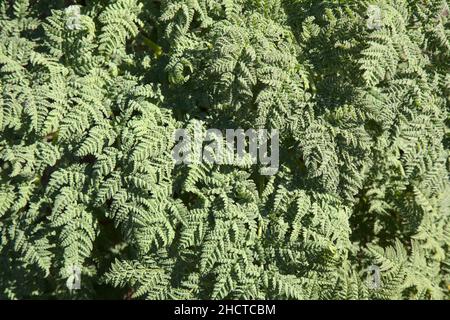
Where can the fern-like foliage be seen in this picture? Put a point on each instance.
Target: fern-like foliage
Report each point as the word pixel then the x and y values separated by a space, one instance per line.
pixel 91 93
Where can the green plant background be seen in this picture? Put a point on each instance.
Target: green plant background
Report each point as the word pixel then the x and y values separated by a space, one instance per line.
pixel 87 114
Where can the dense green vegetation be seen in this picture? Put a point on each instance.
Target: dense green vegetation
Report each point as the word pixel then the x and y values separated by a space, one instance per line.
pixel 92 91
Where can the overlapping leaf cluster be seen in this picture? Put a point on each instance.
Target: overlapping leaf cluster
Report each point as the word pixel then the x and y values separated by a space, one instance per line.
pixel 92 91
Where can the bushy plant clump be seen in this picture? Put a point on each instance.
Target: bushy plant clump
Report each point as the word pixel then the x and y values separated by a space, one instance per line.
pixel 92 91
